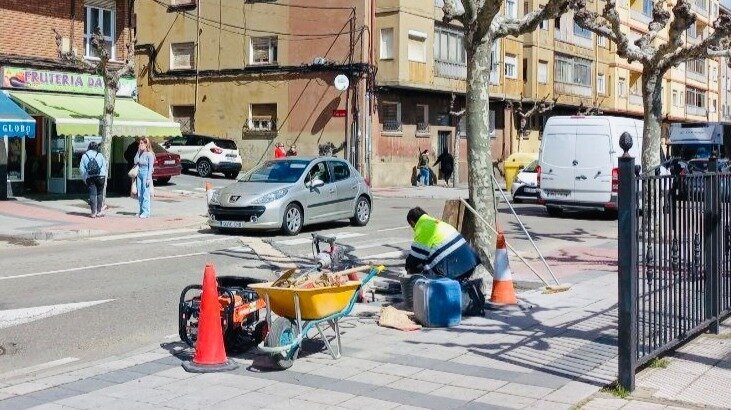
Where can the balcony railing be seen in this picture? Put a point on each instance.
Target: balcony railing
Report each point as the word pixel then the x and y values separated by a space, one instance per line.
pixel 450 70
pixel 640 16
pixel 697 76
pixel 392 126
pixel 422 128
pixel 698 111
pixel 572 89
pixel 635 99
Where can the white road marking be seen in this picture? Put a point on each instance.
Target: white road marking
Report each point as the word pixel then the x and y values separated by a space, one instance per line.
pixel 179 238
pixel 38 367
pixel 211 240
pixel 393 229
pixel 295 241
pixel 387 255
pixel 379 244
pixel 15 317
pixel 135 235
pixel 338 236
pixel 106 265
pixel 346 235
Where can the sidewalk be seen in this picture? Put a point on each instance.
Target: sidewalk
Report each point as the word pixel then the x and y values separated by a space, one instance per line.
pixel 36 219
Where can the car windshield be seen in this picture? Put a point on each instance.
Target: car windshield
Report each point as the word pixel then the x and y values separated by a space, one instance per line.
pixel 158 149
pixel 282 171
pixel 531 167
pixel 225 144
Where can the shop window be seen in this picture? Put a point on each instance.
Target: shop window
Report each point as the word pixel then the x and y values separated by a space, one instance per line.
pixel 105 20
pixel 182 56
pixel 263 117
pixel 386 43
pixel 15 148
pixel 79 146
pixel 185 116
pixel 263 50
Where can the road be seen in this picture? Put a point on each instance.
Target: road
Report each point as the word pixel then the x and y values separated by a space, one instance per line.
pixel 129 284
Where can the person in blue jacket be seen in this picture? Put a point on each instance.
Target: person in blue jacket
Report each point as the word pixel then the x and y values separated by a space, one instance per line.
pixel 93 168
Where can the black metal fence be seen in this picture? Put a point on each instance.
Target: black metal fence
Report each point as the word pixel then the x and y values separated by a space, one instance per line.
pixel 674 261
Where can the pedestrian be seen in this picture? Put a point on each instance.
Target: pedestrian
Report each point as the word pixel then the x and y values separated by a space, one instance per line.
pixel 446 165
pixel 130 152
pixel 292 152
pixel 423 165
pixel 145 161
pixel 439 249
pixel 279 151
pixel 93 169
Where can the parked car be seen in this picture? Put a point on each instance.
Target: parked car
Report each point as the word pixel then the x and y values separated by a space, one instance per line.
pixel 525 184
pixel 167 164
pixel 289 193
pixel 694 186
pixel 206 154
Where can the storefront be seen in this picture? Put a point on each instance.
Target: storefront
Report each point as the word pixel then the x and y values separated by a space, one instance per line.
pixel 67 108
pixel 15 126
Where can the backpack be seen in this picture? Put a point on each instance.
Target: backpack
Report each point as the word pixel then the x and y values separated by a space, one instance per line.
pixel 92 167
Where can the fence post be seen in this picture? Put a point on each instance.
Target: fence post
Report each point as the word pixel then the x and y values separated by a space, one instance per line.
pixel 711 245
pixel 628 251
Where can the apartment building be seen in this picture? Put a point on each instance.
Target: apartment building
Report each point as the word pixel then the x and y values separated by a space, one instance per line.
pixel 583 69
pixel 64 102
pixel 260 72
pixel 724 79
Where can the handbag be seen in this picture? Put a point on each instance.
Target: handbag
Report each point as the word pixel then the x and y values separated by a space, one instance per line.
pixel 134 172
pixel 133 190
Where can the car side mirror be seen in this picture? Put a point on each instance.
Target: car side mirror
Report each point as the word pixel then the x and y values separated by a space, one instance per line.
pixel 317 183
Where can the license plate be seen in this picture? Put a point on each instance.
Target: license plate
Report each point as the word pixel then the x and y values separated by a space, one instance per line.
pixel 170 162
pixel 230 155
pixel 557 193
pixel 530 190
pixel 232 224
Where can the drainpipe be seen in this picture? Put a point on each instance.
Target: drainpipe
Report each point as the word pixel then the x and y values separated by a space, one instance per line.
pixel 197 59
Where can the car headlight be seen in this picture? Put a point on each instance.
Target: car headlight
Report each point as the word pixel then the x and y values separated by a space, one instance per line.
pixel 272 196
pixel 215 198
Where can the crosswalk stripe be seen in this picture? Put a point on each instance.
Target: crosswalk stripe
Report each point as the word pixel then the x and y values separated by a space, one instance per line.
pixel 135 235
pixel 387 255
pixel 200 242
pixel 295 241
pixel 338 236
pixel 198 236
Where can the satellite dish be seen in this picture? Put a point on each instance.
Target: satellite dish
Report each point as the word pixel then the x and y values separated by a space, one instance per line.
pixel 319 61
pixel 341 82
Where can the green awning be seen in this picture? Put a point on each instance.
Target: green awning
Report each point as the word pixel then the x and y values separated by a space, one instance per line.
pixel 80 115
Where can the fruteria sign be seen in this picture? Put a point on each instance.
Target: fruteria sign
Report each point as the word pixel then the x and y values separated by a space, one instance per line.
pixel 59 81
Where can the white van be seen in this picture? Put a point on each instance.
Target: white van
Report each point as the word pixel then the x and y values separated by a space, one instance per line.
pixel 578 161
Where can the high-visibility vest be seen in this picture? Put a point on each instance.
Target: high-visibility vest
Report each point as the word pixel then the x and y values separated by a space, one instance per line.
pixel 441 248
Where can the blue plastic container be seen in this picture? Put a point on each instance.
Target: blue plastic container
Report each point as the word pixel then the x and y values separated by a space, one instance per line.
pixel 438 302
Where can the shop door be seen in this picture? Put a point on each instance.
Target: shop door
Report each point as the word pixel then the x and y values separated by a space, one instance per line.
pixel 445 138
pixel 57 165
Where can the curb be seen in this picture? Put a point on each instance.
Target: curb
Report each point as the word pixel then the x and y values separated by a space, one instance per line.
pixel 59 235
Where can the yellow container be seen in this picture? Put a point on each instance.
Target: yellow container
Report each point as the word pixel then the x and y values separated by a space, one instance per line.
pixel 515 163
pixel 315 303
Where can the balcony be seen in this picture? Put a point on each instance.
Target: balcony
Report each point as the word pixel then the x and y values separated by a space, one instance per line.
pixel 695 76
pixel 701 7
pixel 392 127
pixel 450 70
pixel 572 89
pixel 640 16
pixel 697 111
pixel 635 99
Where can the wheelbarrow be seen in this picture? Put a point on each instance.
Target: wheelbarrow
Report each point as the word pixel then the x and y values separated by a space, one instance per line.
pixel 302 310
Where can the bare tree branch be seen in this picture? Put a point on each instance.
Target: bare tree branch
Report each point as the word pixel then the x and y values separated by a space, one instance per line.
pixel 660 18
pixel 506 26
pixel 453 10
pixel 70 56
pixel 608 25
pixel 129 61
pixel 683 18
pixel 452 112
pixel 715 45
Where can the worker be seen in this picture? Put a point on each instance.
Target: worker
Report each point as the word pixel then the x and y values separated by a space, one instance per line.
pixel 439 249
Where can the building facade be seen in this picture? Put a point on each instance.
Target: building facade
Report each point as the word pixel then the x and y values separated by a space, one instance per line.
pixel 260 73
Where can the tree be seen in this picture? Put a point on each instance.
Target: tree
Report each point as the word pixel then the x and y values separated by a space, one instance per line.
pixel 524 114
pixel 458 117
pixel 594 109
pixel 656 55
pixel 110 73
pixel 483 26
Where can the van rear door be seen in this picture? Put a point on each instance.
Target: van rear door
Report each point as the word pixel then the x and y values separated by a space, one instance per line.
pixel 557 169
pixel 593 169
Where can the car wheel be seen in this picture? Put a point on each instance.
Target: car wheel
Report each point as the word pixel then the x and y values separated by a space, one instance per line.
pixel 204 168
pixel 554 211
pixel 293 219
pixel 231 175
pixel 163 180
pixel 362 212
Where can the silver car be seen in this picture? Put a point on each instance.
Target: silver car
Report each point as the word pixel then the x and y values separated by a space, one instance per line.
pixel 289 193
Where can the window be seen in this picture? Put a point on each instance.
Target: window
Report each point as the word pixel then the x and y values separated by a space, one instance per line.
pixel 449 46
pixel 319 171
pixel 601 85
pixel 557 23
pixel 341 170
pixel 543 72
pixel 572 70
pixel 386 43
pixel 263 117
pixel 511 66
pixel 647 6
pixel 622 87
pixel 581 32
pixel 417 46
pixel 422 117
pixel 391 116
pixel 175 3
pixel 714 106
pixel 105 20
pixel 15 148
pixel 491 127
pixel 511 8
pixel 676 103
pixel 697 66
pixel 263 50
pixel 692 31
pixel 495 58
pixel 182 56
pixel 601 41
pixel 185 116
pixel 544 25
pixel 695 98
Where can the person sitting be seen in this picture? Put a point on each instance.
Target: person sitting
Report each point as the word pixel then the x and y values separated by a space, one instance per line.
pixel 439 249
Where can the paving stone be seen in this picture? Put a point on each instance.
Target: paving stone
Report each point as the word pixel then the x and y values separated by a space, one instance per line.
pixel 4 396
pixel 152 381
pixel 435 375
pixel 150 367
pixel 525 390
pixel 175 373
pixel 415 399
pixel 458 393
pixel 24 388
pixel 573 392
pixel 550 405
pixel 50 406
pixel 397 370
pixel 326 396
pixel 298 404
pixel 88 385
pixel 246 383
pixel 336 372
pixel 88 401
pixel 286 390
pixel 406 407
pixel 351 387
pixel 604 404
pixel 479 383
pixel 119 376
pixel 643 405
pixel 204 397
pixel 142 394
pixel 52 394
pixel 376 379
pixel 59 379
pixel 367 403
pixel 506 400
pixel 413 385
pixel 19 403
pixel 356 363
pixel 249 400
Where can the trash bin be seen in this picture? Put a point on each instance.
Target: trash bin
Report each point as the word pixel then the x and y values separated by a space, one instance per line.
pixel 515 163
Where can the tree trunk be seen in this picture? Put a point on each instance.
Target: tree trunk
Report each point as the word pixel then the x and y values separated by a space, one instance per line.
pixel 110 96
pixel 479 156
pixel 651 134
pixel 457 139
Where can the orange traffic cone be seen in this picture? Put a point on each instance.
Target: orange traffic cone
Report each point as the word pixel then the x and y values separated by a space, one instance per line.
pixel 503 292
pixel 210 353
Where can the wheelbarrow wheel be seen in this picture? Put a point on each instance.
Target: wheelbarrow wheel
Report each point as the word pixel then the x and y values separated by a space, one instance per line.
pixel 282 333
